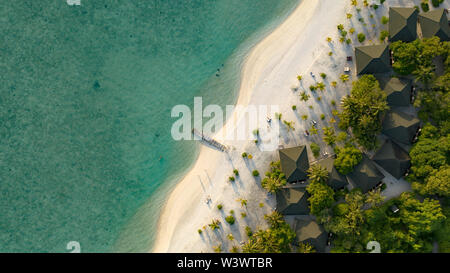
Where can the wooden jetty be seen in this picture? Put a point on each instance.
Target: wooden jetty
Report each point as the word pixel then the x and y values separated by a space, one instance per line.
pixel 210 141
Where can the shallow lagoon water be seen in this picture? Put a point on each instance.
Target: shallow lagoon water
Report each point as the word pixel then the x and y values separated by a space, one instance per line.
pixel 85 99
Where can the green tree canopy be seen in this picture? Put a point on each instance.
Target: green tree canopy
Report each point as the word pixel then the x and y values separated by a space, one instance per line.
pixel 347 158
pixel 276 239
pixel 274 179
pixel 363 109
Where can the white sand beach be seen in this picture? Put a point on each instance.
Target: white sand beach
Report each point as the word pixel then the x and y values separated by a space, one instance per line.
pixel 297 47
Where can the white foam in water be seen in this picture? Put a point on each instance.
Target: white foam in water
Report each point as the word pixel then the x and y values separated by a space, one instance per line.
pixel 73 2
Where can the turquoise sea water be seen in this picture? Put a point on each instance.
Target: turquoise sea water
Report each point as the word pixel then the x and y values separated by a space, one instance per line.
pixel 85 99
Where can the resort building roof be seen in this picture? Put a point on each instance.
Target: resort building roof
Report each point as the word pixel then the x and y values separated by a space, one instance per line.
pixel 372 59
pixel 365 176
pixel 398 91
pixel 435 23
pixel 393 159
pixel 402 24
pixel 335 179
pixel 309 231
pixel 294 163
pixel 293 201
pixel 400 126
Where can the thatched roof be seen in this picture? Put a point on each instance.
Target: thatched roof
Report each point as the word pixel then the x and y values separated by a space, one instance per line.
pixel 398 91
pixel 393 159
pixel 294 163
pixel 435 23
pixel 335 179
pixel 402 24
pixel 372 59
pixel 309 231
pixel 293 201
pixel 366 175
pixel 400 126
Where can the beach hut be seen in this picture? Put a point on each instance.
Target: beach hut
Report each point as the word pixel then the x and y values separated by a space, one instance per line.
pixel 400 126
pixel 336 180
pixel 294 163
pixel 365 176
pixel 309 231
pixel 293 200
pixel 393 159
pixel 434 23
pixel 402 24
pixel 398 90
pixel 372 59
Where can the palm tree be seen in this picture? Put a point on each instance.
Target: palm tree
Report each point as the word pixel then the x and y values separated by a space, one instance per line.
pixel 215 224
pixel 318 173
pixel 304 96
pixel 344 77
pixel 289 125
pixel 329 137
pixel 374 197
pixel 320 86
pixel 424 74
pixel 314 130
pixel 243 202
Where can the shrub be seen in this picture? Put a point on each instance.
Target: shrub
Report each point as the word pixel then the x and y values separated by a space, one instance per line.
pixel 383 35
pixel 384 20
pixel 322 116
pixel 347 158
pixel 274 179
pixel 243 214
pixel 361 37
pixel 323 75
pixel 236 172
pixel 199 231
pixel 436 3
pixel 255 173
pixel 425 6
pixel 294 107
pixel 231 178
pixel 312 88
pixel 244 155
pixel 248 231
pixel 219 207
pixel 250 156
pixel 315 149
pixel 230 219
pixel 333 102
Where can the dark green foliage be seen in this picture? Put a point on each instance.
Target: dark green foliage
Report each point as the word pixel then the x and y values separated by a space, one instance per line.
pixel 409 230
pixel 315 149
pixel 363 109
pixel 361 37
pixel 430 171
pixel 322 195
pixel 230 219
pixel 347 158
pixel 274 179
pixel 276 239
pixel 416 55
pixel 255 173
pixel 425 6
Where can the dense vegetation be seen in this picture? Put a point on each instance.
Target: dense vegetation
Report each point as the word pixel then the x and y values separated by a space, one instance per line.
pixel 409 230
pixel 321 195
pixel 347 158
pixel 274 179
pixel 278 238
pixel 363 109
